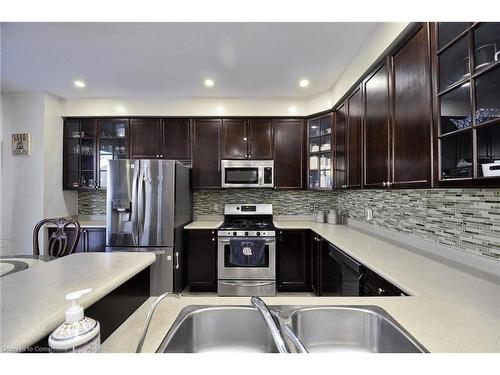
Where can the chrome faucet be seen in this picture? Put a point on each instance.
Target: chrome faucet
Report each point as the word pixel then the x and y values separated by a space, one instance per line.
pixel 150 316
pixel 274 328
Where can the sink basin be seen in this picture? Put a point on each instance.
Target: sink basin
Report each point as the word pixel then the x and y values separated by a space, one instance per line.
pixel 202 329
pixel 351 329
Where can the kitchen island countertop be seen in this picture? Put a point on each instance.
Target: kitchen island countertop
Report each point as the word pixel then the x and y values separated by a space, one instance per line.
pixel 33 303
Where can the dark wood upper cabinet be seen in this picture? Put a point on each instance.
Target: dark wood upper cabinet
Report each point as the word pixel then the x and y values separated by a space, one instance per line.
pixel 340 158
pixel 293 256
pixel 260 132
pixel 176 138
pixel 288 153
pixel 412 124
pixel 206 153
pixel 145 138
pixel 201 249
pixel 247 139
pixel 234 139
pixel 354 139
pixel 376 129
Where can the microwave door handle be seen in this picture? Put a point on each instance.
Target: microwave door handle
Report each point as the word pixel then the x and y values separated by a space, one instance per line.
pixel 261 176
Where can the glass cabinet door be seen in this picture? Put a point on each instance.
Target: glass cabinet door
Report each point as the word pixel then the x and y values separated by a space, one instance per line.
pixel 320 153
pixel 113 144
pixel 79 154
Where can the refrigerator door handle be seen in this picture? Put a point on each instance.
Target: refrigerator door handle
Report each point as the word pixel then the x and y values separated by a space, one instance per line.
pixel 140 201
pixel 177 264
pixel 135 229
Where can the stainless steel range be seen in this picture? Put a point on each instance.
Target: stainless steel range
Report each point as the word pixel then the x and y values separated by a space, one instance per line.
pixel 247 251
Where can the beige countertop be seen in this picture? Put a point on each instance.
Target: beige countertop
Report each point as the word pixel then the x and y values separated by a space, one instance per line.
pixel 438 326
pixel 33 303
pixel 449 310
pixel 86 224
pixel 204 224
pixel 412 272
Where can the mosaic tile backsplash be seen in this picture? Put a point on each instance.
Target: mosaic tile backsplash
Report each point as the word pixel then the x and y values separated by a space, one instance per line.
pixel 92 202
pixel 286 202
pixel 468 219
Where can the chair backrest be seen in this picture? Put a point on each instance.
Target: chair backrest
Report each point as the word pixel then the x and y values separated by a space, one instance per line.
pixel 60 242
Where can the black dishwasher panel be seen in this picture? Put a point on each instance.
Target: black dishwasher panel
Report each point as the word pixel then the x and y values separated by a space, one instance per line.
pixel 374 285
pixel 340 274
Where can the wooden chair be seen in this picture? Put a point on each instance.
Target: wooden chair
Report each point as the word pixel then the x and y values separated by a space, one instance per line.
pixel 61 243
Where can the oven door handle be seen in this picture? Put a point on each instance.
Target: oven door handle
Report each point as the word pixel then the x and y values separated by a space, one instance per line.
pixel 236 283
pixel 240 238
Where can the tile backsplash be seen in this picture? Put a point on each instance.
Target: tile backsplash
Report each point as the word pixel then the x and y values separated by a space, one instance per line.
pixel 468 219
pixel 285 202
pixel 92 202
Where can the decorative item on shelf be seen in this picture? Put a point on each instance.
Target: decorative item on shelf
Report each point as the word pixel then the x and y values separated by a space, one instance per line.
pixel 120 132
pixel 491 169
pixel 21 144
pixel 462 170
pixel 320 216
pixel 486 55
pixel 75 134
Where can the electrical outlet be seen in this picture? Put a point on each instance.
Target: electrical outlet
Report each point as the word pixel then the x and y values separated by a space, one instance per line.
pixel 311 207
pixel 368 214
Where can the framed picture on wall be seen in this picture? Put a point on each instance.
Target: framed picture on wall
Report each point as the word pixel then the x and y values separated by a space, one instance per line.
pixel 21 144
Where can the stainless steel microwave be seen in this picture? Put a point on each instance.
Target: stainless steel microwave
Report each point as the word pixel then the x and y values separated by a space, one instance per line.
pixel 247 173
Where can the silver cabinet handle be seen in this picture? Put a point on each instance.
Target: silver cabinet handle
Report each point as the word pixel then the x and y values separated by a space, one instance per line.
pixel 380 291
pixel 383 184
pixel 177 265
pixel 247 284
pixel 213 239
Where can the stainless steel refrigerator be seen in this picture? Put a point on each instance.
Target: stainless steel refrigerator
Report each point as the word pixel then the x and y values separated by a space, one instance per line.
pixel 148 202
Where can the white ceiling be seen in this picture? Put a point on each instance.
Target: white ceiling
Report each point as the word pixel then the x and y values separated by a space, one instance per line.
pixel 246 60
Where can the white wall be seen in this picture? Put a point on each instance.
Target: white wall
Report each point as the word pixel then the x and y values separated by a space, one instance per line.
pixel 57 202
pixel 31 185
pixel 184 107
pixel 372 49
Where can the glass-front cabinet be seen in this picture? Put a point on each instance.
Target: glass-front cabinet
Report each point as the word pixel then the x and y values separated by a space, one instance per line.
pixel 319 143
pixel 468 71
pixel 79 154
pixel 88 145
pixel 113 144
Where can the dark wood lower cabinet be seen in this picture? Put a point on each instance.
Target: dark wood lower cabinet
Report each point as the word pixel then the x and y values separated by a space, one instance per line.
pixel 92 240
pixel 293 265
pixel 201 247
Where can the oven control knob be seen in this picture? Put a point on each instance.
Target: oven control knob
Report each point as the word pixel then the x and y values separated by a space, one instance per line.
pixel 258 233
pixel 246 233
pixel 234 233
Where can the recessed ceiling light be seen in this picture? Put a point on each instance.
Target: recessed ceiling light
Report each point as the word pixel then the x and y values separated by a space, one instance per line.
pixel 79 84
pixel 209 82
pixel 304 83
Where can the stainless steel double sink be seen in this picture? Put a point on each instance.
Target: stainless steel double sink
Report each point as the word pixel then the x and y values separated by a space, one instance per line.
pixel 321 329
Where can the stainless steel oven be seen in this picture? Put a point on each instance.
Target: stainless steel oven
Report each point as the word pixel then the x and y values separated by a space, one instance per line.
pixel 247 173
pixel 252 279
pixel 246 252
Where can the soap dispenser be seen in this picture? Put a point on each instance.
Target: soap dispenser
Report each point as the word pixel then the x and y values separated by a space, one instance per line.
pixel 78 334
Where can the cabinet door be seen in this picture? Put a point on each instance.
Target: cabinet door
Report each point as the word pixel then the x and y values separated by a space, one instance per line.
pixel 411 132
pixel 376 139
pixel 293 261
pixel 260 132
pixel 234 139
pixel 145 139
pixel 176 138
pixel 201 260
pixel 95 239
pixel 340 148
pixel 354 139
pixel 112 136
pixel 206 154
pixel 79 160
pixel 315 257
pixel 288 153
